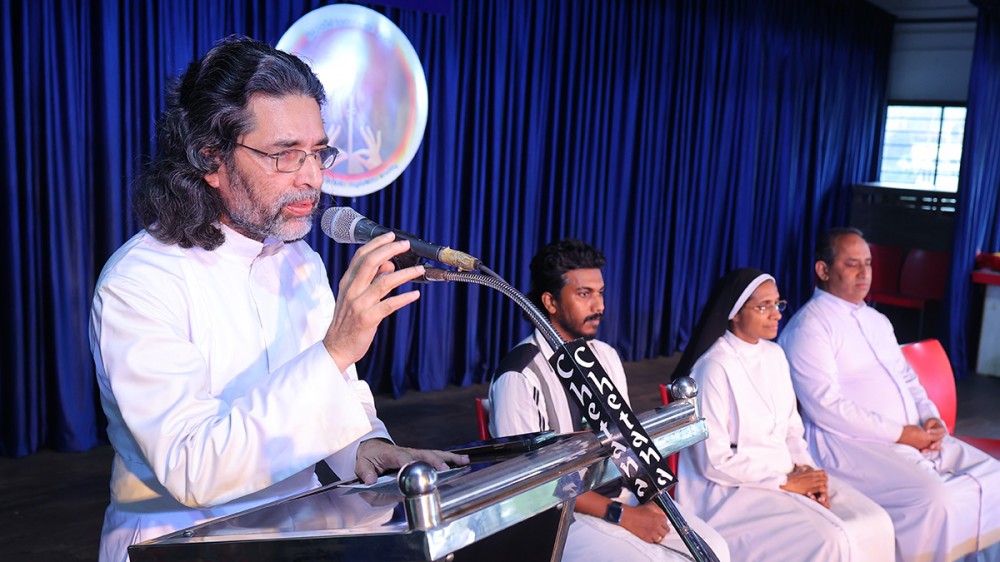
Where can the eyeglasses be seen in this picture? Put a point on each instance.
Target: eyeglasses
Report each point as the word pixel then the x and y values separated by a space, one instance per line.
pixel 291 160
pixel 766 308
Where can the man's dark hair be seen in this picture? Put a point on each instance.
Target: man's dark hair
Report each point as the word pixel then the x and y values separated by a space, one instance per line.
pixel 826 246
pixel 554 260
pixel 206 113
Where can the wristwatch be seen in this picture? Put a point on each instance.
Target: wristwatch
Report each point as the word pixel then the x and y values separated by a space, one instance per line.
pixel 613 514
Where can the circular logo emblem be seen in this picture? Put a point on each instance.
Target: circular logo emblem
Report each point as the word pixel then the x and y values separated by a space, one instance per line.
pixel 376 93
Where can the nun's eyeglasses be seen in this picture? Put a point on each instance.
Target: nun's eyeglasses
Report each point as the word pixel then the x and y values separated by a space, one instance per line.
pixel 766 308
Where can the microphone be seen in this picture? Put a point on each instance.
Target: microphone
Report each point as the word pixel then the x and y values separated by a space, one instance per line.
pixel 347 226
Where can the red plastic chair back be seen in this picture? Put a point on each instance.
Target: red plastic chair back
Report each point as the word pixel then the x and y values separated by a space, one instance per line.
pixel 930 361
pixel 887 261
pixel 925 274
pixel 483 417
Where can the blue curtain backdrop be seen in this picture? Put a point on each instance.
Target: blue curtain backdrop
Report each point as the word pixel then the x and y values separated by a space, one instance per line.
pixel 977 220
pixel 682 137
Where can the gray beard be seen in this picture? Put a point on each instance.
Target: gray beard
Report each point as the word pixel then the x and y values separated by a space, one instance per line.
pixel 245 215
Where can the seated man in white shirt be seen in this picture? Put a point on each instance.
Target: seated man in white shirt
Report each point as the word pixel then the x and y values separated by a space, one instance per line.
pixel 527 396
pixel 869 422
pixel 226 373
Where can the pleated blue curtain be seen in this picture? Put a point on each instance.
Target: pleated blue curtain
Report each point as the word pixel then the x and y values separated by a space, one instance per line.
pixel 47 390
pixel 683 138
pixel 977 218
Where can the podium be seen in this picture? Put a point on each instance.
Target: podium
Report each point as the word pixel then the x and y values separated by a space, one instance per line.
pixel 510 503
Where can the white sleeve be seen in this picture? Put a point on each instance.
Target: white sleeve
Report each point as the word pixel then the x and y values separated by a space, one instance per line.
pixel 514 405
pixel 796 442
pixel 795 437
pixel 816 379
pixel 719 457
pixel 204 450
pixel 925 407
pixel 343 461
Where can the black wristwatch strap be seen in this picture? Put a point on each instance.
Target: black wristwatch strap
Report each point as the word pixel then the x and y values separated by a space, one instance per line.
pixel 613 513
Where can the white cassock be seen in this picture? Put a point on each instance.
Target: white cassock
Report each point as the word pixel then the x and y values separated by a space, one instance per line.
pixel 857 392
pixel 219 393
pixel 755 437
pixel 520 400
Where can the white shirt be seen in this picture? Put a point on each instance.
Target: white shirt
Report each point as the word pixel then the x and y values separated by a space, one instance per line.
pixel 848 371
pixel 518 400
pixel 218 390
pixel 755 434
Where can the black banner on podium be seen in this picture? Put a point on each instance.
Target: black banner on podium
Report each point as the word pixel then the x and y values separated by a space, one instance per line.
pixel 633 451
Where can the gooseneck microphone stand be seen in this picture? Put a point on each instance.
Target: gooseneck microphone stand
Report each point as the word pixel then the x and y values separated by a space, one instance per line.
pixel 645 476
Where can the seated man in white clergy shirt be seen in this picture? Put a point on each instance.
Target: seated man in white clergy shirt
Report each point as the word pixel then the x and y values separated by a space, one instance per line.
pixel 869 422
pixel 527 396
pixel 225 371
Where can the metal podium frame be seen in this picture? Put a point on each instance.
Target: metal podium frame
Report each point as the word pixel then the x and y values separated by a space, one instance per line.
pixel 425 516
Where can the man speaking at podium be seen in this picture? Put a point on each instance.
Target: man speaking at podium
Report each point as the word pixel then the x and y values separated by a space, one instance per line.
pixel 527 396
pixel 226 373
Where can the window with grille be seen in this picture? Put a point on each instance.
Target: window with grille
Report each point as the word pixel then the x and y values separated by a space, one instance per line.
pixel 922 147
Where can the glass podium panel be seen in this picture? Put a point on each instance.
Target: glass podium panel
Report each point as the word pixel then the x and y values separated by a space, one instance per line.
pixel 512 502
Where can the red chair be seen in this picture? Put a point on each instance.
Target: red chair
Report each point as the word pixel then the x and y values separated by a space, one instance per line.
pixel 887 263
pixel 483 417
pixel 930 361
pixel 922 279
pixel 924 274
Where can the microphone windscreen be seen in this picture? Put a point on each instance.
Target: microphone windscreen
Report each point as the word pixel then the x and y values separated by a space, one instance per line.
pixel 338 223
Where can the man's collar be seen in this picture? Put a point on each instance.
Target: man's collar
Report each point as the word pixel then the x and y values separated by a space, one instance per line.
pixel 837 301
pixel 246 249
pixel 543 344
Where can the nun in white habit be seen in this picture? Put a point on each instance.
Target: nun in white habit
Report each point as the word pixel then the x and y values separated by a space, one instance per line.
pixel 753 479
